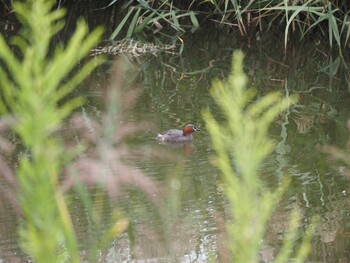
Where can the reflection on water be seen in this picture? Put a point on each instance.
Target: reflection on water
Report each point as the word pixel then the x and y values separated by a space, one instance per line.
pixel 188 223
pixel 187 147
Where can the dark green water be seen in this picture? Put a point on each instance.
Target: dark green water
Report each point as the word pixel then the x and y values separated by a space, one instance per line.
pixel 176 90
pixel 185 220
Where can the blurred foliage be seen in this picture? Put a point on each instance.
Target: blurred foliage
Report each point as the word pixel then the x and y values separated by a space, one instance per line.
pixel 241 144
pixel 33 100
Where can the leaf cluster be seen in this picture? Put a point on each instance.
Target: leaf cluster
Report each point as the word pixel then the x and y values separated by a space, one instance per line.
pixel 34 88
pixel 241 144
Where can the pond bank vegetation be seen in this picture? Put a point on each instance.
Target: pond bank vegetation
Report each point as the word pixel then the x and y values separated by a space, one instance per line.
pixel 325 21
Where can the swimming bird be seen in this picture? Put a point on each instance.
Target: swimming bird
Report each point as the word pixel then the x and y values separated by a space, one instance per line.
pixel 173 135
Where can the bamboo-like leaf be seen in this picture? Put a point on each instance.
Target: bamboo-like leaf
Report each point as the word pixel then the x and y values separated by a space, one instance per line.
pixel 333 27
pixel 175 24
pixel 145 22
pixel 321 17
pixel 121 24
pixel 132 25
pixel 346 26
pixel 112 2
pixel 225 9
pixel 194 21
pixel 291 19
pixel 182 46
pixel 334 66
pixel 144 4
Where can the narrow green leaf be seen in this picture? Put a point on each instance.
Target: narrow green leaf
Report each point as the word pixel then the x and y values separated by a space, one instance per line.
pixel 290 20
pixel 332 26
pixel 112 3
pixel 144 22
pixel 133 23
pixel 120 26
pixel 144 4
pixel 334 66
pixel 194 21
pixel 175 24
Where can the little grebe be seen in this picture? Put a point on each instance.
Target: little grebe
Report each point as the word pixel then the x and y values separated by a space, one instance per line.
pixel 178 135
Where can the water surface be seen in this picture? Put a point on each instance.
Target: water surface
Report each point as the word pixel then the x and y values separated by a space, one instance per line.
pixel 186 222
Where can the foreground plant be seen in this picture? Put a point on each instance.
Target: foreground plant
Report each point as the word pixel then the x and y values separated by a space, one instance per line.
pixel 34 87
pixel 241 144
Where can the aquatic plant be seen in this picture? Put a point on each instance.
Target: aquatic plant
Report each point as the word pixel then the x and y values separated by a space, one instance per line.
pixel 241 144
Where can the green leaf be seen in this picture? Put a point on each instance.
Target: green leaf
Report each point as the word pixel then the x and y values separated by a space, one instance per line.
pixel 194 21
pixel 332 26
pixel 132 25
pixel 145 21
pixel 291 19
pixel 175 24
pixel 121 24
